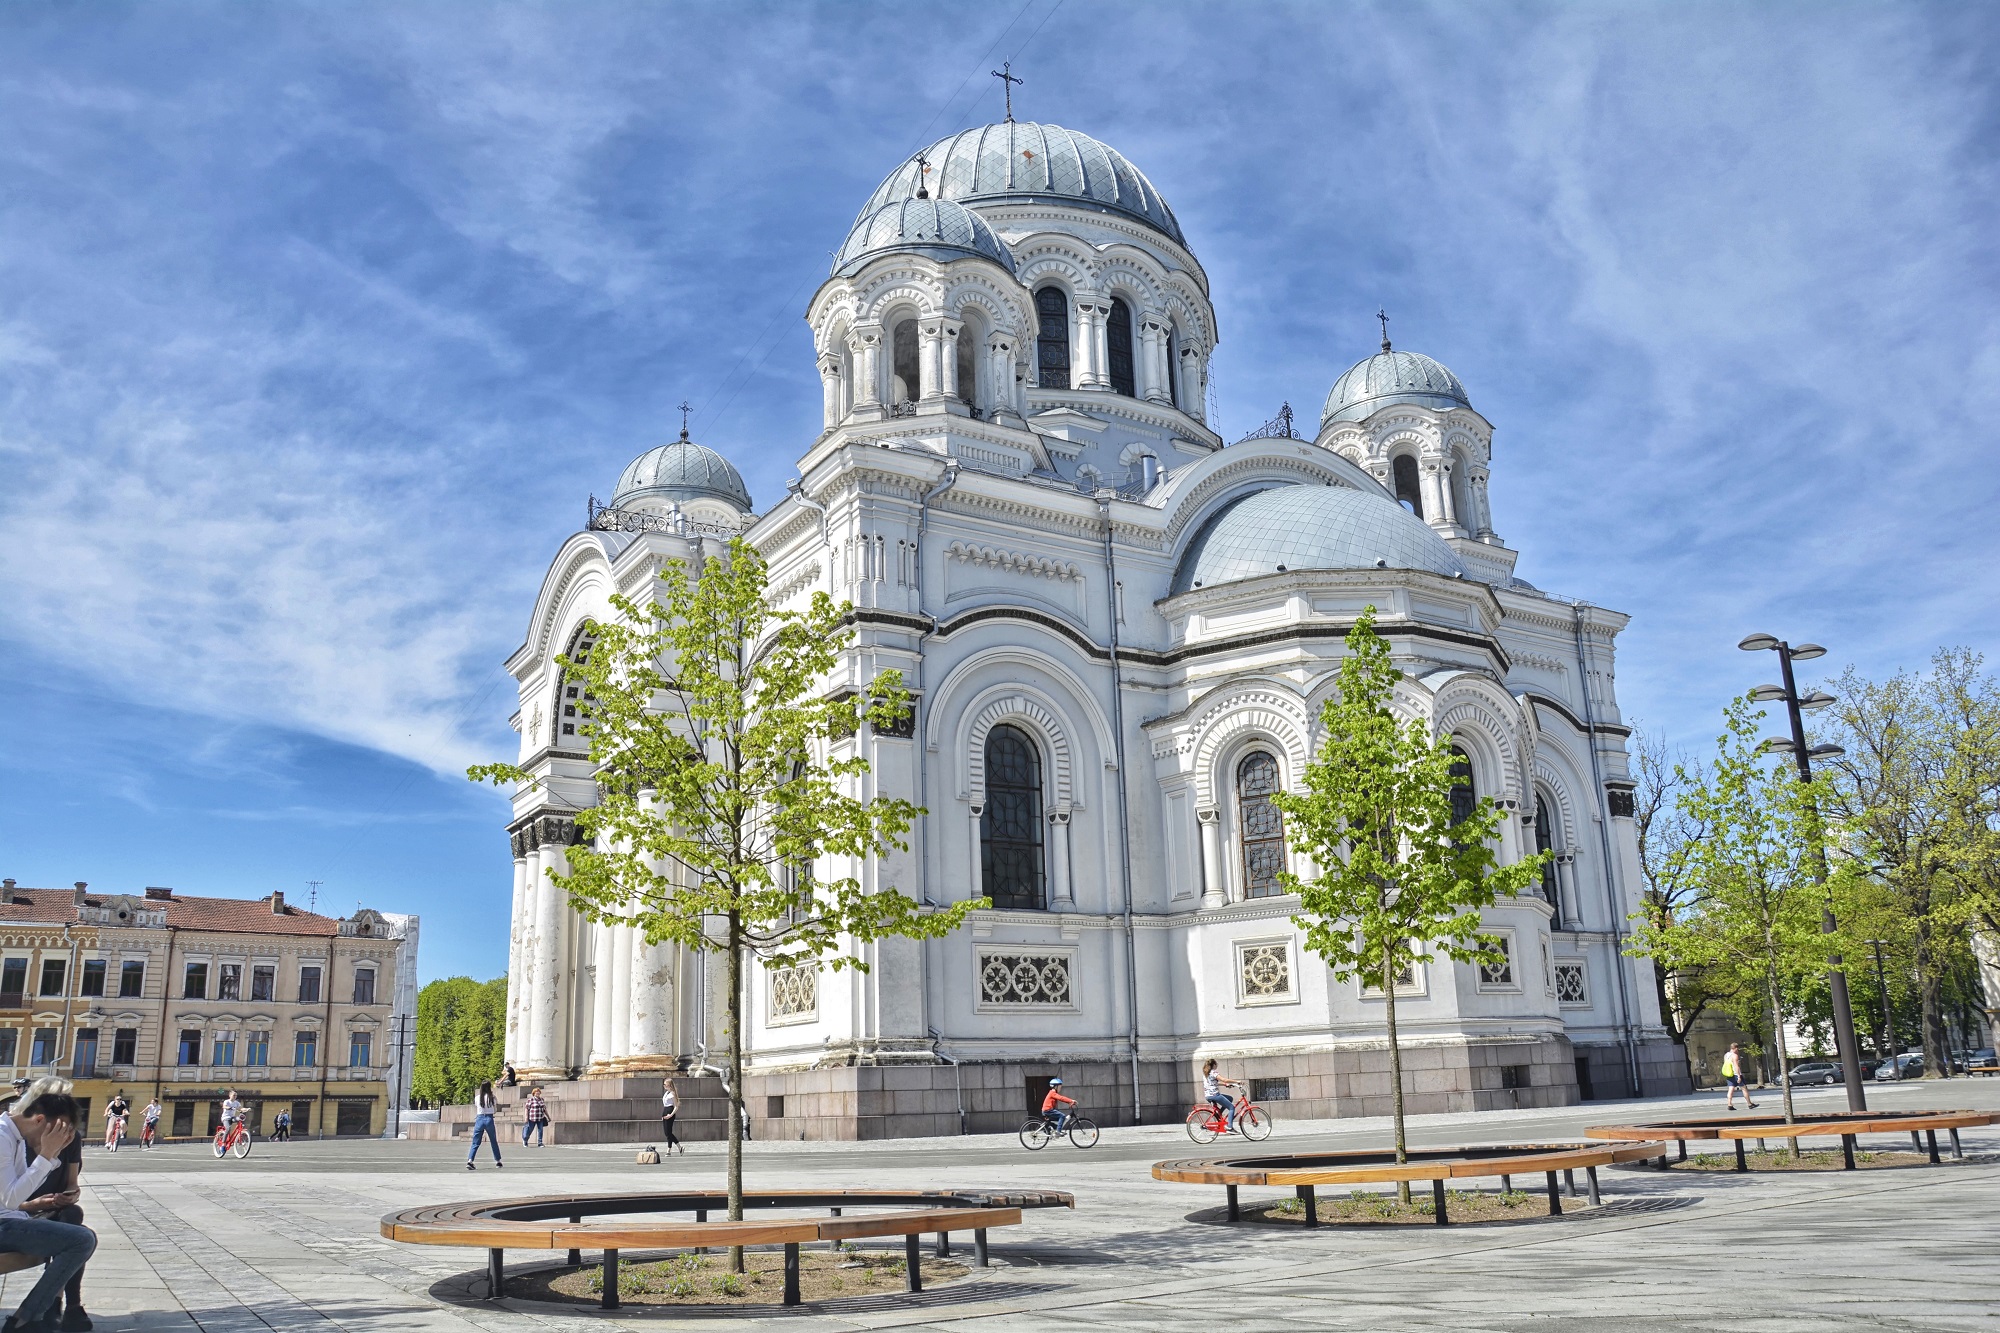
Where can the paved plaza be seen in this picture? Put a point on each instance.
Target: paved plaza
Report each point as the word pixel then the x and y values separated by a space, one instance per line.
pixel 288 1240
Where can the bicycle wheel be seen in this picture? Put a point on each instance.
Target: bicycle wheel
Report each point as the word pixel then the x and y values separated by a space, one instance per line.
pixel 1083 1133
pixel 242 1145
pixel 1253 1122
pixel 221 1144
pixel 1201 1126
pixel 1035 1135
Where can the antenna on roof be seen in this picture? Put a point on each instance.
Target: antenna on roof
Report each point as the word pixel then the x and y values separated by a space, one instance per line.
pixel 1383 315
pixel 684 418
pixel 923 170
pixel 312 899
pixel 1008 79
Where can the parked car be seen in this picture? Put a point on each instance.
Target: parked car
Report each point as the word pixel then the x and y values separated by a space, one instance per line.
pixel 1910 1064
pixel 1816 1071
pixel 1982 1058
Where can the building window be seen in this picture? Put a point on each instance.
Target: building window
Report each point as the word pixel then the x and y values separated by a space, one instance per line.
pixel 257 1050
pixel 183 1120
pixel 1270 1089
pixel 1572 984
pixel 263 982
pixel 13 982
pixel 1499 975
pixel 1409 493
pixel 44 1050
pixel 124 1047
pixel 190 1046
pixel 1262 827
pixel 1545 841
pixel 92 983
pixel 359 1046
pixel 305 1050
pixel 302 1115
pixel 907 384
pixel 1118 348
pixel 131 980
pixel 1264 972
pixel 194 982
pixel 229 982
pixel 54 971
pixel 1173 369
pixel 10 1045
pixel 573 692
pixel 967 353
pixel 1010 827
pixel 793 994
pixel 1464 797
pixel 309 983
pixel 224 1052
pixel 84 1061
pixel 1014 979
pixel 1052 338
pixel 364 985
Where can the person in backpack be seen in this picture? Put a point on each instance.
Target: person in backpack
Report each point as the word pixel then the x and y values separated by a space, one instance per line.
pixel 484 1107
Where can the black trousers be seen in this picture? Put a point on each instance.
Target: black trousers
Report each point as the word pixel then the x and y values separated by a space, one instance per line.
pixel 667 1128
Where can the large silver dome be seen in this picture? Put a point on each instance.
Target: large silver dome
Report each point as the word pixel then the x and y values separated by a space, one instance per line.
pixel 1022 160
pixel 679 472
pixel 1378 381
pixel 1310 527
pixel 934 227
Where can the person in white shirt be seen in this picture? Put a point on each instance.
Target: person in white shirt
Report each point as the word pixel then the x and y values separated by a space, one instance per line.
pixel 30 1144
pixel 232 1110
pixel 670 1107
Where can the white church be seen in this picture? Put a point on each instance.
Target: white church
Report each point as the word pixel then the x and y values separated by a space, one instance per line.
pixel 1119 628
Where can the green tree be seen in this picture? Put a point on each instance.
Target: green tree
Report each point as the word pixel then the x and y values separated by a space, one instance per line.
pixel 1752 927
pixel 1665 831
pixel 1399 878
pixel 460 1028
pixel 728 817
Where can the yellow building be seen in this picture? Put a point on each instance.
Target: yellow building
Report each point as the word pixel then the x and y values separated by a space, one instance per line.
pixel 166 994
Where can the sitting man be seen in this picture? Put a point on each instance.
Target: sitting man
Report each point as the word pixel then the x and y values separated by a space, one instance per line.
pixel 35 1132
pixel 1053 1103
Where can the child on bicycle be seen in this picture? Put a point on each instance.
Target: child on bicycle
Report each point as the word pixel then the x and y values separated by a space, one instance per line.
pixel 150 1130
pixel 1053 1103
pixel 1212 1088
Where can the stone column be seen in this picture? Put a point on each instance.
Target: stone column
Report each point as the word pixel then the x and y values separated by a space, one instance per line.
pixel 1194 384
pixel 1000 374
pixel 831 408
pixel 1092 316
pixel 517 934
pixel 976 876
pixel 1153 359
pixel 930 360
pixel 1214 886
pixel 1062 896
pixel 1430 480
pixel 603 1000
pixel 652 1044
pixel 619 1040
pixel 547 1051
pixel 864 346
pixel 1481 517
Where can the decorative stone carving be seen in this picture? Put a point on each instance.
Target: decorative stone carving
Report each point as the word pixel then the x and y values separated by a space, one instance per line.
pixel 794 994
pixel 1264 972
pixel 1021 978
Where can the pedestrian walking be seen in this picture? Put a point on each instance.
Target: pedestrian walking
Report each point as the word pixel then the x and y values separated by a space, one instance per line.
pixel 1732 1074
pixel 39 1215
pixel 150 1122
pixel 670 1106
pixel 535 1116
pixel 281 1128
pixel 484 1107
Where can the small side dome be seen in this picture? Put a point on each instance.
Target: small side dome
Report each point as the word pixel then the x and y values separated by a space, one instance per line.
pixel 680 472
pixel 1388 378
pixel 1310 527
pixel 934 227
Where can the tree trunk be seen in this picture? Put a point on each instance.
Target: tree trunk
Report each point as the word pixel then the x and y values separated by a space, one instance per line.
pixel 1778 1044
pixel 1395 1068
pixel 1937 1054
pixel 735 1127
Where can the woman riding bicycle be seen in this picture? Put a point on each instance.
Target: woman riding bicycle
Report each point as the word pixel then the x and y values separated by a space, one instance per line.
pixel 1212 1089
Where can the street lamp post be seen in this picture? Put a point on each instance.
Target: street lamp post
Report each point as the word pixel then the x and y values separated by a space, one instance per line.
pixel 1836 976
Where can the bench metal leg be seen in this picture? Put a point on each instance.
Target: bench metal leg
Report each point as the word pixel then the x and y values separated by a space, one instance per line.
pixel 1555 1197
pixel 575 1256
pixel 979 1247
pixel 1741 1163
pixel 792 1273
pixel 944 1245
pixel 1442 1218
pixel 913 1260
pixel 701 1215
pixel 496 1274
pixel 1957 1148
pixel 609 1300
pixel 1916 1142
pixel 1684 1151
pixel 1590 1174
pixel 1234 1212
pixel 1506 1184
pixel 1311 1201
pixel 1569 1181
pixel 1931 1134
pixel 1847 1152
pixel 833 1246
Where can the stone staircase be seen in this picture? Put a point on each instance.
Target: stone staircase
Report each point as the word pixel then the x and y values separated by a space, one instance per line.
pixel 598 1110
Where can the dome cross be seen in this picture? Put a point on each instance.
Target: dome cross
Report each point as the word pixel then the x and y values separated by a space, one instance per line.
pixel 1383 315
pixel 684 418
pixel 1008 79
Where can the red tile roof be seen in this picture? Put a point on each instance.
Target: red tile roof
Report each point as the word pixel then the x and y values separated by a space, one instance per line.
pixel 184 912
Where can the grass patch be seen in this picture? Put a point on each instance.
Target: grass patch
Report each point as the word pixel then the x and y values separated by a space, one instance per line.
pixel 1373 1208
pixel 687 1278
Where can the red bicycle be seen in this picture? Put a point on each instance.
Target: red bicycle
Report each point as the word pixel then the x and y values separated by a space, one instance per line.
pixel 1206 1121
pixel 233 1138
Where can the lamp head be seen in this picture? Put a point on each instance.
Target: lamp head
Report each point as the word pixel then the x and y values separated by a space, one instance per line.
pixel 1806 652
pixel 1827 750
pixel 1816 700
pixel 1757 643
pixel 1775 745
pixel 1765 694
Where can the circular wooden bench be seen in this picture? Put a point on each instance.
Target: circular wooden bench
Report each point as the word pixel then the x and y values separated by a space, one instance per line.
pixel 559 1222
pixel 1921 1126
pixel 1305 1172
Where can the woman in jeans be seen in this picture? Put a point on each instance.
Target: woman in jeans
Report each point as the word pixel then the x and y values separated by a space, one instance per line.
pixel 534 1116
pixel 484 1107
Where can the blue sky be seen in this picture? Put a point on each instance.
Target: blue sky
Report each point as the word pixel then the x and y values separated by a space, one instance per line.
pixel 318 324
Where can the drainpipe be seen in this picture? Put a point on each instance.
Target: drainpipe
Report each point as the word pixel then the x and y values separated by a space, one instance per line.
pixel 1611 894
pixel 1124 822
pixel 957 1074
pixel 326 1037
pixel 945 483
pixel 166 999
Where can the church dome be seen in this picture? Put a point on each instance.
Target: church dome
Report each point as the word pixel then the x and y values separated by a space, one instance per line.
pixel 1388 378
pixel 680 472
pixel 1310 527
pixel 935 227
pixel 1021 161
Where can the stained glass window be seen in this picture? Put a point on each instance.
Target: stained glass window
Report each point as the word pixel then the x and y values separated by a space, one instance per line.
pixel 1010 827
pixel 1052 338
pixel 1262 826
pixel 1463 798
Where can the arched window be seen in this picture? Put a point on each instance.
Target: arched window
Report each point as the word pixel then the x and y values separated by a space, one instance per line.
pixel 1052 338
pixel 1545 841
pixel 573 696
pixel 1010 827
pixel 1118 348
pixel 970 336
pixel 1408 492
pixel 1464 799
pixel 1263 828
pixel 1173 369
pixel 903 359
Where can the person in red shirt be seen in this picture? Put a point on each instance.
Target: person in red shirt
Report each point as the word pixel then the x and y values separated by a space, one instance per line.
pixel 1053 1103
